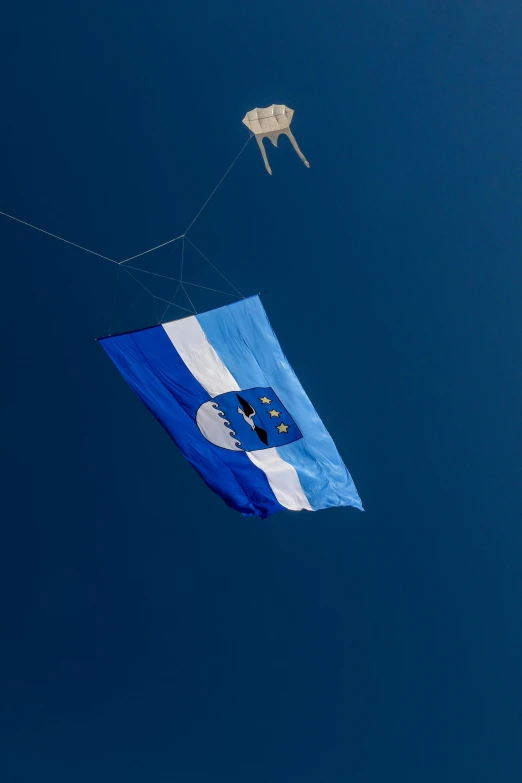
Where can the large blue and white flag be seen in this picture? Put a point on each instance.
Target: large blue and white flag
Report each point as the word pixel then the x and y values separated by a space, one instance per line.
pixel 222 387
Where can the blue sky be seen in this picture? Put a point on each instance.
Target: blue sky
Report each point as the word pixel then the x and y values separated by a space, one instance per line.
pixel 149 632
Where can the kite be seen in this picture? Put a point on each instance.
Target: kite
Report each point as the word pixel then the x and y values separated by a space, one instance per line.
pixel 271 123
pixel 221 386
pixel 223 389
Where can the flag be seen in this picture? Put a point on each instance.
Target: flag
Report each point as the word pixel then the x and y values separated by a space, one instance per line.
pixel 221 386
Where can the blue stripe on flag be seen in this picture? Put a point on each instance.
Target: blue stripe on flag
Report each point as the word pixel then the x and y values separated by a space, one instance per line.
pixel 243 338
pixel 154 370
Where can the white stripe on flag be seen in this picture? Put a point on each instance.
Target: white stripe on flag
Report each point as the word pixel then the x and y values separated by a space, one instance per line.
pixel 282 477
pixel 190 341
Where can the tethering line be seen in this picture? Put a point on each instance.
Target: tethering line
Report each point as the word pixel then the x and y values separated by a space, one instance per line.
pixel 190 300
pixel 181 283
pixel 128 311
pixel 131 258
pixel 219 183
pixel 114 299
pixel 151 250
pixel 159 298
pixel 185 282
pixel 154 297
pixel 177 287
pixel 60 238
pixel 181 277
pixel 171 302
pixel 215 267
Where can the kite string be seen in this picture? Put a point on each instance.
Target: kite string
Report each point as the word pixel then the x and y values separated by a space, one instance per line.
pixel 171 302
pixel 219 183
pixel 159 298
pixel 215 267
pixel 151 250
pixel 114 300
pixel 181 274
pixel 145 252
pixel 150 292
pixel 138 255
pixel 185 282
pixel 128 311
pixel 182 236
pixel 188 297
pixel 155 298
pixel 67 241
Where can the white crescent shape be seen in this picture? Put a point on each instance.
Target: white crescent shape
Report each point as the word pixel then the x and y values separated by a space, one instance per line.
pixel 215 428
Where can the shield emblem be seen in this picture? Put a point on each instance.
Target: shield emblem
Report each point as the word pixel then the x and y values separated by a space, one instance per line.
pixel 247 420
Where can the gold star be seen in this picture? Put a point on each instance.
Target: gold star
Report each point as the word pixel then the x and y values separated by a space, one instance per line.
pixel 281 428
pixel 273 413
pixel 265 400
